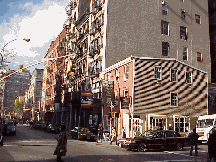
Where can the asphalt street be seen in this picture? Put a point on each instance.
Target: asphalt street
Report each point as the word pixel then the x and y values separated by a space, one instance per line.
pixel 36 145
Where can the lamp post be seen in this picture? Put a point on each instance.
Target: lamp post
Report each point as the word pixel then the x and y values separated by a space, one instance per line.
pixel 1 62
pixel 3 49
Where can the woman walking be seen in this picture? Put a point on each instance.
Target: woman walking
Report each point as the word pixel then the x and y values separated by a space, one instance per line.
pixel 113 135
pixel 61 147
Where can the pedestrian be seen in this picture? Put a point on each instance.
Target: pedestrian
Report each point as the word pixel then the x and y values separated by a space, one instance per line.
pixel 0 126
pixel 61 147
pixel 4 128
pixel 137 132
pixel 123 133
pixel 212 146
pixel 193 136
pixel 100 133
pixel 113 135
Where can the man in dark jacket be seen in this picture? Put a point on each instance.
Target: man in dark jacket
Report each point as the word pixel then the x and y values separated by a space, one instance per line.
pixel 100 133
pixel 212 145
pixel 4 128
pixel 193 136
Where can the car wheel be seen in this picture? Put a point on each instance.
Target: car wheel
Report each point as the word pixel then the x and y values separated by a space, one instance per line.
pixel 179 146
pixel 129 148
pixel 142 147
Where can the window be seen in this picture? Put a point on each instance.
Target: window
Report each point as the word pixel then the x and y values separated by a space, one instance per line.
pixel 183 32
pixel 158 135
pixel 117 75
pixel 164 27
pixel 197 17
pixel 164 8
pixel 165 48
pixel 188 77
pixel 126 93
pixel 173 75
pixel 157 73
pixel 185 53
pixel 182 0
pixel 116 95
pixel 126 72
pixel 109 74
pixel 199 57
pixel 174 99
pixel 183 14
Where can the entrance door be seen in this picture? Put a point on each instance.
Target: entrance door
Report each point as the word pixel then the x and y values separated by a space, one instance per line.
pixel 137 126
pixel 181 123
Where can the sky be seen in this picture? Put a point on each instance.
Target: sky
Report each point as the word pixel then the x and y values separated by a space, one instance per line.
pixel 41 21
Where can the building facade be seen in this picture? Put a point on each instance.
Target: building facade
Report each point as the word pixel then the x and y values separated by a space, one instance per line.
pixel 101 33
pixel 32 97
pixel 156 94
pixel 54 66
pixel 212 31
pixel 15 86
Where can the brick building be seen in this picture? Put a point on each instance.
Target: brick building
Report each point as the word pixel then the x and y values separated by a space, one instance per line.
pixel 156 93
pixel 53 77
pixel 101 33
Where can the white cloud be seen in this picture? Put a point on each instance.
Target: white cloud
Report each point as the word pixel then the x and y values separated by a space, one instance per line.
pixel 43 25
pixel 28 4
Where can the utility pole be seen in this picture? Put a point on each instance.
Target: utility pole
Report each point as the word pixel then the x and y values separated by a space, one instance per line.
pixel 111 107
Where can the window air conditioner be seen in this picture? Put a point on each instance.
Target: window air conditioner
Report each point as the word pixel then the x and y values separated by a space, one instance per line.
pixel 163 2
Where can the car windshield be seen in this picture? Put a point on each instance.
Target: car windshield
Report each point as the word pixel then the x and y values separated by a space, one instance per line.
pixel 84 130
pixel 150 134
pixel 204 123
pixel 10 123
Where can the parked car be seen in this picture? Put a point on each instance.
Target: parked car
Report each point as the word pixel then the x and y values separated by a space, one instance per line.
pixel 1 139
pixel 15 121
pixel 74 133
pixel 82 134
pixel 91 136
pixel 44 125
pixel 37 124
pixel 124 142
pixel 11 128
pixel 159 140
pixel 52 128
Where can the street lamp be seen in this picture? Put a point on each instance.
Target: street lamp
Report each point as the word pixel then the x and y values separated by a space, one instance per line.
pixel 3 49
pixel 2 109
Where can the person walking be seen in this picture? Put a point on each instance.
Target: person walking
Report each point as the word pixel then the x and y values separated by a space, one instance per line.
pixel 100 133
pixel 193 136
pixel 123 133
pixel 4 128
pixel 212 146
pixel 61 147
pixel 113 135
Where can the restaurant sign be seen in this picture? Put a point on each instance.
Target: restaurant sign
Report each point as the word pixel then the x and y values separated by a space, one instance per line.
pixel 125 101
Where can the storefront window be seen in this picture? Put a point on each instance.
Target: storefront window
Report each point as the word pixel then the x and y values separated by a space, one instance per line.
pixel 181 124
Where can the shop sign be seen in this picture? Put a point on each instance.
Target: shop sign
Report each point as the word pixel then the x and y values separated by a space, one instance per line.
pixel 108 92
pixel 125 101
pixel 86 99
